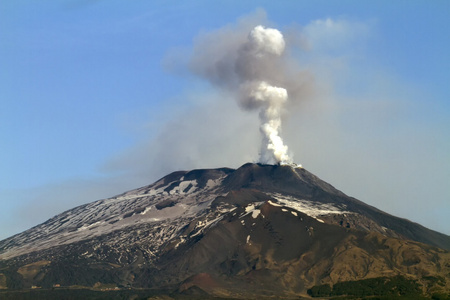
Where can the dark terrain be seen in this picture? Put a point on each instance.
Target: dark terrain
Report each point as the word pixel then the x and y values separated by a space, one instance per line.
pixel 260 231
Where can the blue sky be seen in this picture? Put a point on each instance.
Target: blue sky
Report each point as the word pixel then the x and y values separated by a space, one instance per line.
pixel 97 97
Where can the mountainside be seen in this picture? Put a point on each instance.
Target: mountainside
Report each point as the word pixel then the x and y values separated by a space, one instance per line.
pixel 259 230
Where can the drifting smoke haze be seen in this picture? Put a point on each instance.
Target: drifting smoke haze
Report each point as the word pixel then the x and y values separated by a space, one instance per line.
pixel 355 123
pixel 252 65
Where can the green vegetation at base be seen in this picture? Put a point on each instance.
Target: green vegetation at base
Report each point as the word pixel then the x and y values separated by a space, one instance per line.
pixel 383 287
pixel 440 296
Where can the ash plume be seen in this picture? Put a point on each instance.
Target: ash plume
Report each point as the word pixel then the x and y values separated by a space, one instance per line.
pixel 251 63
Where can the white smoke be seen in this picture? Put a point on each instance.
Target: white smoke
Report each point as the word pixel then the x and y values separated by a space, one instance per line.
pixel 251 67
pixel 269 99
pixel 266 40
pixel 264 44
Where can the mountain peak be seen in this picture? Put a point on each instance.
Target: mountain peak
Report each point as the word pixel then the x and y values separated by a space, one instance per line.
pixel 223 226
pixel 284 178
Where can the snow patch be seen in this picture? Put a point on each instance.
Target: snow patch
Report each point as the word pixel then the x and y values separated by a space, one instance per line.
pixel 182 186
pixel 310 208
pixel 84 227
pixel 249 208
pixel 202 225
pixel 274 204
pixel 182 240
pixel 213 183
pixel 146 210
pixel 185 184
pixel 255 213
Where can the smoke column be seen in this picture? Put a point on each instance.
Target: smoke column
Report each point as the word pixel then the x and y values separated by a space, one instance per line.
pixel 251 64
pixel 256 93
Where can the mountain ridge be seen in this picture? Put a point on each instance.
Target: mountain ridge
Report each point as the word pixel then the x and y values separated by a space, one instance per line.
pixel 277 228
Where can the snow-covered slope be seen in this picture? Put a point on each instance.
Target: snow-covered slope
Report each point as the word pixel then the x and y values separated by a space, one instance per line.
pixel 171 199
pixel 169 204
pixel 222 221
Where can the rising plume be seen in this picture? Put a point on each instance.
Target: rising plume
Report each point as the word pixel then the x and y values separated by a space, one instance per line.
pixel 251 64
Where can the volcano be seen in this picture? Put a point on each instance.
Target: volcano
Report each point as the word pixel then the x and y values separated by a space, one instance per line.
pixel 253 232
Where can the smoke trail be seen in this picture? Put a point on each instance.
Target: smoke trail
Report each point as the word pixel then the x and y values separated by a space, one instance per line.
pixel 251 64
pixel 256 93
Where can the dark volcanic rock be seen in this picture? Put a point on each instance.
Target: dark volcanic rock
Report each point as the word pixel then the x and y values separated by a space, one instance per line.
pixel 260 230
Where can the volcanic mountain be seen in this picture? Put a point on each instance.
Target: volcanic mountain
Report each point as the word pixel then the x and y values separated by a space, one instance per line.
pixel 252 232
